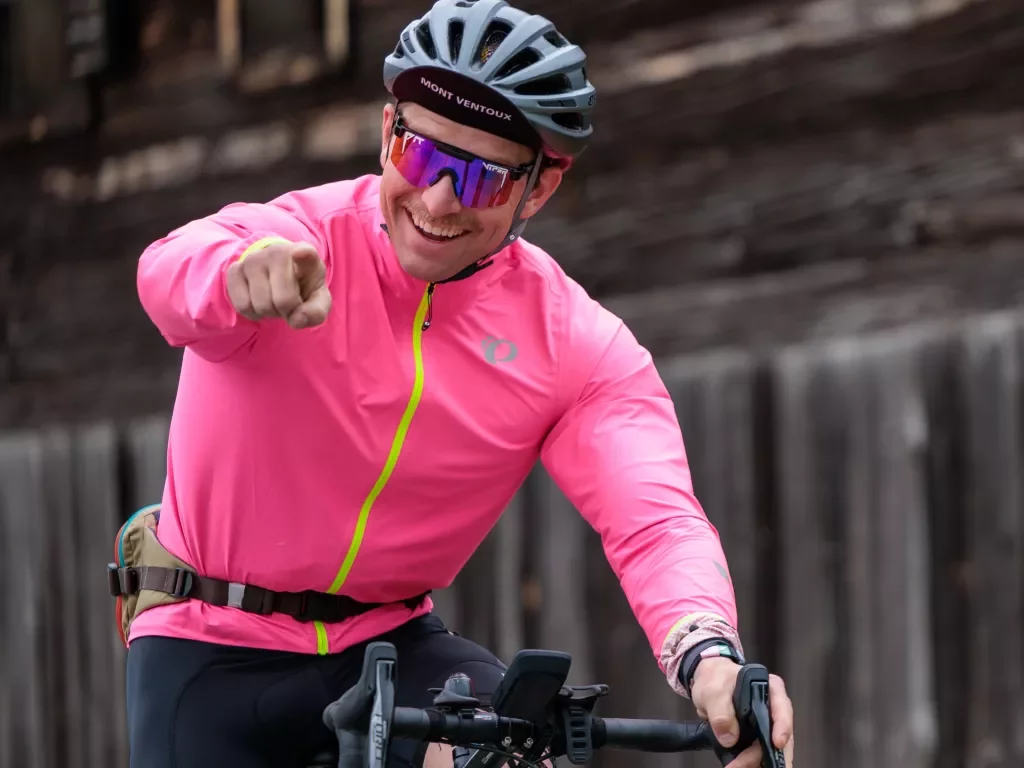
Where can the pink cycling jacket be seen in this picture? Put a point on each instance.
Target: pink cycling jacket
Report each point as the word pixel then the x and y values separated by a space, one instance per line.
pixel 370 457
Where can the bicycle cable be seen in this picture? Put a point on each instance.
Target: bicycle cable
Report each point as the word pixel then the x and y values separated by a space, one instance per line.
pixel 510 755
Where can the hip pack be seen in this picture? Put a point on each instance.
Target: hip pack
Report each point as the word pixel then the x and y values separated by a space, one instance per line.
pixel 137 550
pixel 145 574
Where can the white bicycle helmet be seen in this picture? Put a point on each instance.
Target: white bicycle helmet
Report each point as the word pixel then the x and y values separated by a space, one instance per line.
pixel 486 64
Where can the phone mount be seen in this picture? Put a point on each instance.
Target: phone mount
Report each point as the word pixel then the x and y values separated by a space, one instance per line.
pixel 575 710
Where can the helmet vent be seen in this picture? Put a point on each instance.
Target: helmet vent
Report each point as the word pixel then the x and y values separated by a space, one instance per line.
pixel 493 36
pixel 555 39
pixel 399 50
pixel 521 60
pixel 557 103
pixel 426 40
pixel 545 86
pixel 571 121
pixel 455 30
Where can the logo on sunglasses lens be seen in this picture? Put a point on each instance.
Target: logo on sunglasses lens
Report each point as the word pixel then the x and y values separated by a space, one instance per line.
pixel 497 169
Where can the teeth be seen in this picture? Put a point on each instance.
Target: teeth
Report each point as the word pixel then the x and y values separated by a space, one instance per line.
pixel 435 230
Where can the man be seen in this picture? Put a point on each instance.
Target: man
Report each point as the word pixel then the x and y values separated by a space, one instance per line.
pixel 372 368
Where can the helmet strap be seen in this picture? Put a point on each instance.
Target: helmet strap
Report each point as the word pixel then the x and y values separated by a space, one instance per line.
pixel 515 230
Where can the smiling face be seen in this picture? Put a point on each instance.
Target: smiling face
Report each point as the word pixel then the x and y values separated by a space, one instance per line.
pixel 434 235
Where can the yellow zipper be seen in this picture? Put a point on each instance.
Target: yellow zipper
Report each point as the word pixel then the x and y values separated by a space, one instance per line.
pixel 419 325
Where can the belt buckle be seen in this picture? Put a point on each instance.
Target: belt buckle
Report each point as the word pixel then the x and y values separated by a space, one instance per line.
pixel 182 583
pixel 236 593
pixel 114 580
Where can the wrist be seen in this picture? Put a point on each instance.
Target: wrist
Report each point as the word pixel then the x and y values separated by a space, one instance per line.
pixel 689 635
pixel 714 649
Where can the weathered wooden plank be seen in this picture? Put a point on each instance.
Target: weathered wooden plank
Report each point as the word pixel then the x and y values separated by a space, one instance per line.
pixel 901 643
pixel 97 500
pixel 994 371
pixel 66 661
pixel 947 418
pixel 23 714
pixel 510 538
pixel 809 456
pixel 856 501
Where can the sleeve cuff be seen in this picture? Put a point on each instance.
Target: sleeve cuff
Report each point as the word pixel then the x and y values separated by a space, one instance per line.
pixel 262 243
pixel 694 633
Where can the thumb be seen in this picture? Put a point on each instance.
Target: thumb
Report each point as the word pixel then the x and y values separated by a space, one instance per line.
pixel 714 683
pixel 712 696
pixel 722 720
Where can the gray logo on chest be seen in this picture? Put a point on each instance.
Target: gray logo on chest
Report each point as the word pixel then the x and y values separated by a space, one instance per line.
pixel 499 350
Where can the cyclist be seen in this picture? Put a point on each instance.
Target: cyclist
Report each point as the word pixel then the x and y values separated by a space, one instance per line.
pixel 371 369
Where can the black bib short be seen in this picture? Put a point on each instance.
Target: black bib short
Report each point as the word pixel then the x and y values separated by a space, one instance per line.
pixel 198 705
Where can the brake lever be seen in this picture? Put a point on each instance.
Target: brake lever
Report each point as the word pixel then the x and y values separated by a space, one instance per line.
pixel 361 719
pixel 753 712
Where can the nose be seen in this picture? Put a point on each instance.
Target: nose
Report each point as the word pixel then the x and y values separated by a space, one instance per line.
pixel 441 199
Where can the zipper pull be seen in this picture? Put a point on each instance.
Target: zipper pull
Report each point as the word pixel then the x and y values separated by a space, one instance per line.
pixel 430 307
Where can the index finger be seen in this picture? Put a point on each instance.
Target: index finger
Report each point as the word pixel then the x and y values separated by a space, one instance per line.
pixel 305 259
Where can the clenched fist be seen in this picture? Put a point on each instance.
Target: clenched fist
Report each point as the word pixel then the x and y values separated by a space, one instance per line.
pixel 714 684
pixel 284 280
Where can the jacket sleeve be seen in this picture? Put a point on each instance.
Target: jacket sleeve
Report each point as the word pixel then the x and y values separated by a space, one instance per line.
pixel 617 453
pixel 180 277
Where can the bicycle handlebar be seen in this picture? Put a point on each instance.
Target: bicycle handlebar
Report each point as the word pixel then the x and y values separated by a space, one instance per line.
pixel 488 728
pixel 652 735
pixel 551 719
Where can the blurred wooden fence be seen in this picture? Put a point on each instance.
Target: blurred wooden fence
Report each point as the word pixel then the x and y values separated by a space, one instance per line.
pixel 868 491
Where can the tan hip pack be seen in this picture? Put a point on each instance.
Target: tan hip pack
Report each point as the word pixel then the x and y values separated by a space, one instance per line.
pixel 144 574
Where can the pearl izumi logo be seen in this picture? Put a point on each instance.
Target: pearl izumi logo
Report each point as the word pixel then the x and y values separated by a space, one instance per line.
pixel 464 102
pixel 499 350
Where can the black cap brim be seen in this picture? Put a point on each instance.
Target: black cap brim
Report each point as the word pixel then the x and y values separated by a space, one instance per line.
pixel 465 101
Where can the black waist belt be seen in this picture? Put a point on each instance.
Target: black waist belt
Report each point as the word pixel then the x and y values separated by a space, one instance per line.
pixel 303 606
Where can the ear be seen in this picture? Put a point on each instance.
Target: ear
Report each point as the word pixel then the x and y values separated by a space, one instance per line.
pixel 545 187
pixel 385 132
